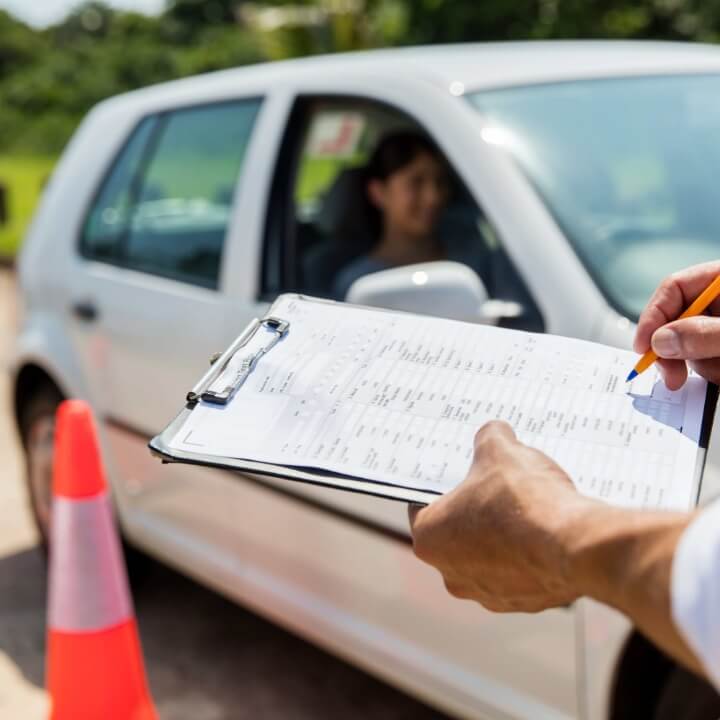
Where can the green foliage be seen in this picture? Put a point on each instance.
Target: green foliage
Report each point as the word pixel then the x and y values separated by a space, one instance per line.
pixel 189 16
pixel 218 48
pixel 49 79
pixel 433 21
pixel 19 45
pixel 24 177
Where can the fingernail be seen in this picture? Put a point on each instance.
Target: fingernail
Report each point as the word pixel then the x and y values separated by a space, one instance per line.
pixel 666 343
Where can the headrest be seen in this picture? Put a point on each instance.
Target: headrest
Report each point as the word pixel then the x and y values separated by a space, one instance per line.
pixel 344 207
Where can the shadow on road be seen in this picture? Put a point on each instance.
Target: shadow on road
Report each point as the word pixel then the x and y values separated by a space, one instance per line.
pixel 22 612
pixel 210 659
pixel 207 658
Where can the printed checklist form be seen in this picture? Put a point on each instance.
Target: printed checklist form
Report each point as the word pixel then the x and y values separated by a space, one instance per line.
pixel 394 400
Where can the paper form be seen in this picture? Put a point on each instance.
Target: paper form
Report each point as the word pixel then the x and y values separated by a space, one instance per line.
pixel 397 399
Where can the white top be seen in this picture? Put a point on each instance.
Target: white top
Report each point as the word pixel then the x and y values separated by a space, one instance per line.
pixel 696 589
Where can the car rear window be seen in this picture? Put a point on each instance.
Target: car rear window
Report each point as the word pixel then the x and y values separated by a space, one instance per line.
pixel 165 205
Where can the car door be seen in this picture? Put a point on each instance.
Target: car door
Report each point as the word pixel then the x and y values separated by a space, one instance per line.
pixel 150 307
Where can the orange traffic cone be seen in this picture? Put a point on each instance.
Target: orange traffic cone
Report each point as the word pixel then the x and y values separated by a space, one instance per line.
pixel 95 669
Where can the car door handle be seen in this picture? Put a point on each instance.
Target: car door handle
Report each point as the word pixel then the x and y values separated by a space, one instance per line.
pixel 85 310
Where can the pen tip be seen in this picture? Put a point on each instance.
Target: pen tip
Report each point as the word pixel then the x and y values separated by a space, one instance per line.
pixel 633 374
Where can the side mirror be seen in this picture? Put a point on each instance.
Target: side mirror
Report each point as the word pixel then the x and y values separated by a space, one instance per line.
pixel 443 289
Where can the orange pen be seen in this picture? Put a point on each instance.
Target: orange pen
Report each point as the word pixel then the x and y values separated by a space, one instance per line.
pixel 699 305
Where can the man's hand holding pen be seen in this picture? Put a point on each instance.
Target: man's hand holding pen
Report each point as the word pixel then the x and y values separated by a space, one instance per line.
pixel 516 536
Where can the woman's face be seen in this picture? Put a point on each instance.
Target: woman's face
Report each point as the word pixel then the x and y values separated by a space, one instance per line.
pixel 412 198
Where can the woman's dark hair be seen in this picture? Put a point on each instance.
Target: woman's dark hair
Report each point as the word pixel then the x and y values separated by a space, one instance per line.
pixel 397 150
pixel 394 152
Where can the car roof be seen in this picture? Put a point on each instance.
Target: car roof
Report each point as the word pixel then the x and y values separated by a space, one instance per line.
pixel 481 65
pixel 464 66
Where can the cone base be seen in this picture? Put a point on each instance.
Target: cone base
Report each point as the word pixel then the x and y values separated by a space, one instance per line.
pixel 99 675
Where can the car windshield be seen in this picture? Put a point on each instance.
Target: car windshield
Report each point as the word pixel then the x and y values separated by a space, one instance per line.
pixel 627 166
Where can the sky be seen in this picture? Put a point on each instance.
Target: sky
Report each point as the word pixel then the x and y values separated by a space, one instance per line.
pixel 41 13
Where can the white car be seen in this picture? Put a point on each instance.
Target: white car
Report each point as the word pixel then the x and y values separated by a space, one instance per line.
pixel 583 172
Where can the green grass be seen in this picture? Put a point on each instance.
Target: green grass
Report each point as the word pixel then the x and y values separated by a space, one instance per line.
pixel 23 177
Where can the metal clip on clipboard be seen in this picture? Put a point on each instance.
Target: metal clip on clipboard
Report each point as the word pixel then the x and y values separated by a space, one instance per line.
pixel 213 387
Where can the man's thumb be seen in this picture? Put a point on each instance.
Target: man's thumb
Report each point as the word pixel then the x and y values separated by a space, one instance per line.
pixel 695 338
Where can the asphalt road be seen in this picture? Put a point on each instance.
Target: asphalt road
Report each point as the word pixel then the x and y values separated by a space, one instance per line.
pixel 207 659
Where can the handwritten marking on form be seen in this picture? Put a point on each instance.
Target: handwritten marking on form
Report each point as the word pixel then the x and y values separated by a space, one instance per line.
pixel 397 399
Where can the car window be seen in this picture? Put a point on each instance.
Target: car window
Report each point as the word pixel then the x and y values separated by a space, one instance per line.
pixel 184 200
pixel 626 165
pixel 107 220
pixel 177 202
pixel 333 229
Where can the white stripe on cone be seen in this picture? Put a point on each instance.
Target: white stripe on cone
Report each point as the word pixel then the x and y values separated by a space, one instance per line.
pixel 88 587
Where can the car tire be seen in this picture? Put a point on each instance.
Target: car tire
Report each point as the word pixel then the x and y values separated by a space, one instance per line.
pixel 37 430
pixel 686 696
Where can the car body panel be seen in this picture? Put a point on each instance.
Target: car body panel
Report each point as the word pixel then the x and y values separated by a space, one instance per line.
pixel 602 633
pixel 354 590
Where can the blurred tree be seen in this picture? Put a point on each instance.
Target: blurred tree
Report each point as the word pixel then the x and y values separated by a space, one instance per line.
pixel 200 13
pixel 89 19
pixel 184 20
pixel 218 48
pixel 292 29
pixel 432 21
pixel 50 78
pixel 19 45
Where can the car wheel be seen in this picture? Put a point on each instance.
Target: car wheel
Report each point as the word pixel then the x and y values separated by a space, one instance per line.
pixel 37 429
pixel 686 696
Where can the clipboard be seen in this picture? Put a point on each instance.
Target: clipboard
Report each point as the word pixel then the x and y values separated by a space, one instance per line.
pixel 230 369
pixel 211 388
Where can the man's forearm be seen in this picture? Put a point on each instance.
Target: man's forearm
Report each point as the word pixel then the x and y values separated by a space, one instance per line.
pixel 624 559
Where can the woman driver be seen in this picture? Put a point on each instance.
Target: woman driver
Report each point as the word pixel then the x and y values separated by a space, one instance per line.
pixel 407 188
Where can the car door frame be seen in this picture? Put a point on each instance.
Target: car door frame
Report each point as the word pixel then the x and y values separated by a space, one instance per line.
pixel 497 185
pixel 280 238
